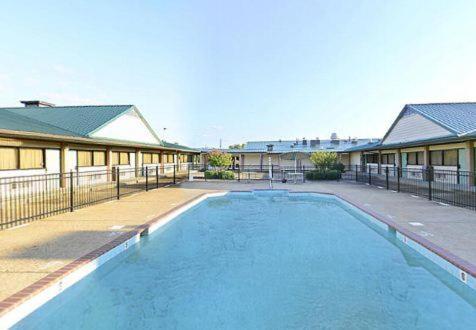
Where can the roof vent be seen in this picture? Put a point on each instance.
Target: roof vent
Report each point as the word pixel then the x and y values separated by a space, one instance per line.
pixel 315 142
pixel 334 136
pixel 37 103
pixel 304 142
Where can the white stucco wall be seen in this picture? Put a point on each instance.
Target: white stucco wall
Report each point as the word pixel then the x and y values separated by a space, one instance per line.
pixel 128 127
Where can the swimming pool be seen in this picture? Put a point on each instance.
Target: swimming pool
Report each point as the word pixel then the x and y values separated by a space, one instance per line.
pixel 265 260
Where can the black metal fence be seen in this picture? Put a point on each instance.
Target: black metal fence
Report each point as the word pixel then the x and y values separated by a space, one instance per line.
pixel 446 186
pixel 450 187
pixel 27 198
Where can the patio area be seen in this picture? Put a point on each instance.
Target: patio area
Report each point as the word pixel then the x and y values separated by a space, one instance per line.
pixel 31 252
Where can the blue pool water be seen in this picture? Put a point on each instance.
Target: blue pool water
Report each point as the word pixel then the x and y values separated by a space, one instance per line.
pixel 264 261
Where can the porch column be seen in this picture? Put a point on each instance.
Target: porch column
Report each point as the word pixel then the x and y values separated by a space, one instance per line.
pixel 260 162
pixel 469 149
pixel 398 158
pixel 138 163
pixel 426 156
pixel 109 163
pixel 242 161
pixel 63 164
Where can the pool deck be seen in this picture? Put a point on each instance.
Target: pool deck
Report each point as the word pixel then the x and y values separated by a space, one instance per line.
pixel 30 253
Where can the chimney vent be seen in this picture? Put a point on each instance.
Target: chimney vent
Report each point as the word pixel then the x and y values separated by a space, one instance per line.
pixel 37 103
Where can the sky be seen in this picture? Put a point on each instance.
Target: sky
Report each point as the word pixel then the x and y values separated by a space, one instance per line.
pixel 240 71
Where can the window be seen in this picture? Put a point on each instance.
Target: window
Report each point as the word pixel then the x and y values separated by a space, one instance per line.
pixel 415 158
pixel 436 158
pixel 170 158
pixel 115 158
pixel 372 158
pixel 31 158
pixel 8 158
pixel 388 159
pixel 155 159
pixel 147 158
pixel 85 158
pixel 444 157
pixel 124 158
pixel 450 157
pixel 99 158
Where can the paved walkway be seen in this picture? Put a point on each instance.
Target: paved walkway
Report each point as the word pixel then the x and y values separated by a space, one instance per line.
pixel 30 252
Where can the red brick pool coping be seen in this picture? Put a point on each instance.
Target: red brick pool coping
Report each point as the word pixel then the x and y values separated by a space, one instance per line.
pixel 23 295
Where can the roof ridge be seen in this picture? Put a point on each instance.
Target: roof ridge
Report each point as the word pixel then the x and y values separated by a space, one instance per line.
pixel 41 122
pixel 71 106
pixel 442 103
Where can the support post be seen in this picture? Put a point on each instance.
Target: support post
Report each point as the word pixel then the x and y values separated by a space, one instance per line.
pixel 386 177
pixel 398 178
pixel 174 174
pixel 146 178
pixel 430 179
pixel 71 192
pixel 118 183
pixel 356 173
pixel 157 176
pixel 370 175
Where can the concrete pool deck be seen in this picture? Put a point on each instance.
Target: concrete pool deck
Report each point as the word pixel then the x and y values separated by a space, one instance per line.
pixel 35 250
pixel 43 247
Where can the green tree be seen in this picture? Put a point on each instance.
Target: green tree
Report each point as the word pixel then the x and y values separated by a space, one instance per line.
pixel 324 160
pixel 237 146
pixel 218 159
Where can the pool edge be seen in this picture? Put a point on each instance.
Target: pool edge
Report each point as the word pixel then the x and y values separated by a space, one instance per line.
pixel 22 303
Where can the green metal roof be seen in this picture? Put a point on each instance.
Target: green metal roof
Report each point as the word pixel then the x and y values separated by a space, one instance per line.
pixel 177 146
pixel 73 121
pixel 15 122
pixel 81 120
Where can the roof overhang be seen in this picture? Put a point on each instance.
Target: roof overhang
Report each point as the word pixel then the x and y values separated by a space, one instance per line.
pixel 92 141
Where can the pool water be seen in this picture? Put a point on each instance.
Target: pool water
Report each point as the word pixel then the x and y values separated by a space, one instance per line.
pixel 264 261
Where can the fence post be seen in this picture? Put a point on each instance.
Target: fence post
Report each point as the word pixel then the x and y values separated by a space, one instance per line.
pixel 398 179
pixel 157 177
pixel 71 191
pixel 174 174
pixel 118 183
pixel 188 171
pixel 430 178
pixel 356 173
pixel 370 175
pixel 386 176
pixel 239 172
pixel 146 178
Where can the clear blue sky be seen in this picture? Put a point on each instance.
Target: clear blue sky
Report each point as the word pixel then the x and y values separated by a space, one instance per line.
pixel 242 70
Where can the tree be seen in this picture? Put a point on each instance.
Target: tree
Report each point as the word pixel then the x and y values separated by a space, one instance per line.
pixel 324 160
pixel 219 159
pixel 237 146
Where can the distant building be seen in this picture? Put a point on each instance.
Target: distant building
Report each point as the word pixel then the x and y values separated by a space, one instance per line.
pixel 255 153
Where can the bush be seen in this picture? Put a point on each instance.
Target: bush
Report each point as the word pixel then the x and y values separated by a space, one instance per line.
pixel 339 167
pixel 219 159
pixel 221 175
pixel 323 175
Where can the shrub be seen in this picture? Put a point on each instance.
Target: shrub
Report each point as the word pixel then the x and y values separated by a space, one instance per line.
pixel 324 159
pixel 323 175
pixel 219 159
pixel 221 175
pixel 339 167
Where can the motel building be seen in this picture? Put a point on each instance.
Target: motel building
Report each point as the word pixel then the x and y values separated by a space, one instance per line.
pixel 440 136
pixel 40 138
